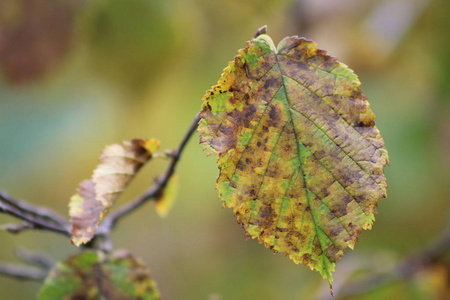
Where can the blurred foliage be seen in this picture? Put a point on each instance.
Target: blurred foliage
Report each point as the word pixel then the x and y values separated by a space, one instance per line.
pixel 90 275
pixel 129 40
pixel 431 283
pixel 35 35
pixel 72 70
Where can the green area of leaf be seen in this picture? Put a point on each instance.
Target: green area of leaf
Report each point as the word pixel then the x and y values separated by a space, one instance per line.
pixel 91 275
pixel 301 161
pixel 118 166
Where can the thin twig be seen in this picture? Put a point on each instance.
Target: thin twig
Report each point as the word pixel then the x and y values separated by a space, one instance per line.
pixel 24 211
pixel 17 228
pixel 38 211
pixel 22 272
pixel 404 269
pixel 36 258
pixel 36 217
pixel 110 221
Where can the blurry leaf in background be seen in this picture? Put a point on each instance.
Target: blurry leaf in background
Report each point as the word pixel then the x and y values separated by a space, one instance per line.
pixel 301 162
pixel 90 275
pixel 35 36
pixel 166 199
pixel 118 166
pixel 391 20
pixel 433 282
pixel 364 33
pixel 437 21
pixel 129 41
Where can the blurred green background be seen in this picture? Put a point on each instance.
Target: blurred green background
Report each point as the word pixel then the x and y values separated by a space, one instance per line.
pixel 78 75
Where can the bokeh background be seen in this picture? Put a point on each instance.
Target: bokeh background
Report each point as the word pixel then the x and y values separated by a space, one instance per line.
pixel 78 75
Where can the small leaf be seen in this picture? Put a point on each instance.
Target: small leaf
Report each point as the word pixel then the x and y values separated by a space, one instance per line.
pixel 166 199
pixel 90 275
pixel 118 166
pixel 85 213
pixel 301 162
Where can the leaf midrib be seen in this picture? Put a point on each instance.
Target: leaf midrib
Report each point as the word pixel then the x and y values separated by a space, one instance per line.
pixel 301 167
pixel 298 140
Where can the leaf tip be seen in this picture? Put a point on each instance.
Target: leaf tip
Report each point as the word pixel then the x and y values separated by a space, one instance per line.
pixel 75 242
pixel 151 145
pixel 351 245
pixel 261 30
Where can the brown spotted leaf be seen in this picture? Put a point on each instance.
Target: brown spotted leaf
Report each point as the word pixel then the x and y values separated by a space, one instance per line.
pixel 301 162
pixel 118 166
pixel 91 275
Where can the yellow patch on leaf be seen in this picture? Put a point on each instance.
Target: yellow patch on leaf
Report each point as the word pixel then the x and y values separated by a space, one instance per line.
pixel 166 199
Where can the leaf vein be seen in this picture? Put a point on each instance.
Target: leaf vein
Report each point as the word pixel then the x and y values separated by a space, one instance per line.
pixel 299 155
pixel 243 96
pixel 334 142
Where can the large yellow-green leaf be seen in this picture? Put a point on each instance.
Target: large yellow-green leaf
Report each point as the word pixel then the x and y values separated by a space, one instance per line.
pixel 118 166
pixel 301 162
pixel 91 275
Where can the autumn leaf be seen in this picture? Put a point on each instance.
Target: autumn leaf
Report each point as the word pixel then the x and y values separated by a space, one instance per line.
pixel 85 213
pixel 301 161
pixel 165 200
pixel 118 166
pixel 91 275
